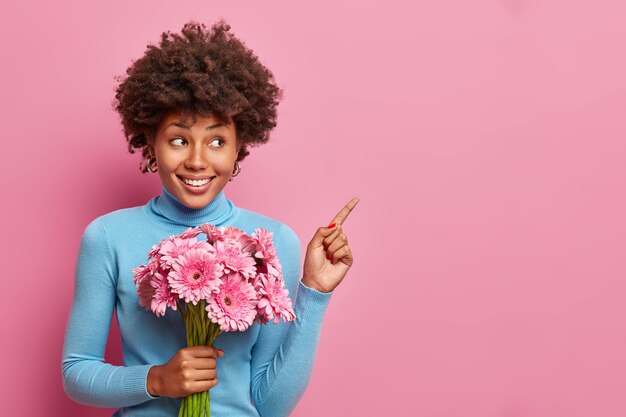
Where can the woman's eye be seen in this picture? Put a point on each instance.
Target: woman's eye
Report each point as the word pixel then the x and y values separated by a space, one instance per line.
pixel 219 140
pixel 216 142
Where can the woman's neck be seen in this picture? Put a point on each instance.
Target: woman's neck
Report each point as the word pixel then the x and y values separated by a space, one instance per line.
pixel 170 209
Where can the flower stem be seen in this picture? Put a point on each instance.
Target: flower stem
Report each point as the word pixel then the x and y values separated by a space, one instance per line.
pixel 200 331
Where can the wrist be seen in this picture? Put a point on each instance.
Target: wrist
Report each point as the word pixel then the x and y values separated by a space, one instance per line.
pixel 152 381
pixel 314 285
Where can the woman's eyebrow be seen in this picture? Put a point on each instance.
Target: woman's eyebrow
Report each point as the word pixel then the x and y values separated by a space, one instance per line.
pixel 184 126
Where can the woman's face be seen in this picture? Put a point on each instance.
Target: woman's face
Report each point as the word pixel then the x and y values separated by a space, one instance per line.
pixel 195 161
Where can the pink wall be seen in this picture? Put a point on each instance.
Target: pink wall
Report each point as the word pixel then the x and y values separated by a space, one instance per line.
pixel 485 140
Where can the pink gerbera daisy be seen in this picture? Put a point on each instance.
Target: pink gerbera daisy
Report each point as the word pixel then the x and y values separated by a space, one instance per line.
pixel 266 251
pixel 144 272
pixel 173 247
pixel 234 306
pixel 195 275
pixel 232 232
pixel 140 273
pixel 274 301
pixel 229 253
pixel 163 296
pixel 154 251
pixel 155 295
pixel 191 232
pixel 145 289
pixel 212 233
pixel 246 243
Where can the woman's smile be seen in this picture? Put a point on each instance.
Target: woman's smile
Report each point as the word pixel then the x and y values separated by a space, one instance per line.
pixel 196 186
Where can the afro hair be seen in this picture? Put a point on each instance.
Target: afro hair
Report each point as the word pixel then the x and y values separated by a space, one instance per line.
pixel 200 71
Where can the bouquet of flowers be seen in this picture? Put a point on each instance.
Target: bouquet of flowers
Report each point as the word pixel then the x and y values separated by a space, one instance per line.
pixel 223 283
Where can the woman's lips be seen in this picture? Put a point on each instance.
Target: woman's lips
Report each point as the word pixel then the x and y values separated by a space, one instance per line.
pixel 196 190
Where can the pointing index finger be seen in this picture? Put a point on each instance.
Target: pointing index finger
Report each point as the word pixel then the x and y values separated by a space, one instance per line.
pixel 343 213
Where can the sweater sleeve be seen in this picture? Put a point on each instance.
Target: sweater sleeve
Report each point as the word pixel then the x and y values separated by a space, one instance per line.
pixel 283 356
pixel 87 379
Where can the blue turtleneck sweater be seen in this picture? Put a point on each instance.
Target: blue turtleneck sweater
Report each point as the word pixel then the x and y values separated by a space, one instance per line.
pixel 264 370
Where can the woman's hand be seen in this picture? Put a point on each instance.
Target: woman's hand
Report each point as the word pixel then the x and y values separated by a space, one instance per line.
pixel 190 370
pixel 328 256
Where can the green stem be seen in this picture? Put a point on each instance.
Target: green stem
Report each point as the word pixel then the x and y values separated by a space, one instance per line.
pixel 200 322
pixel 200 331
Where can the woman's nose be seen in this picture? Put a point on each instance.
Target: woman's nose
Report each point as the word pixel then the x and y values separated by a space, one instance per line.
pixel 196 158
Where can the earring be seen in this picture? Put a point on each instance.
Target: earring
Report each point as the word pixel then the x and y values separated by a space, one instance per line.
pixel 152 165
pixel 236 171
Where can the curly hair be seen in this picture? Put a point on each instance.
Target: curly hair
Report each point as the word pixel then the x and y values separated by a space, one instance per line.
pixel 206 72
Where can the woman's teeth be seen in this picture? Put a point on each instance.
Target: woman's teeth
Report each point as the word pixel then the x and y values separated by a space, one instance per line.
pixel 196 183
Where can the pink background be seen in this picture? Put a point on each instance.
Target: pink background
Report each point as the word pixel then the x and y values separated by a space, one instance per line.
pixel 484 138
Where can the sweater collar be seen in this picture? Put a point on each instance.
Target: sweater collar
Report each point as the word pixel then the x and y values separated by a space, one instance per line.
pixel 168 208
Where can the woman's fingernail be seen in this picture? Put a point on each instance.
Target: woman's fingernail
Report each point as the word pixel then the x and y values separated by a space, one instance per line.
pixel 330 226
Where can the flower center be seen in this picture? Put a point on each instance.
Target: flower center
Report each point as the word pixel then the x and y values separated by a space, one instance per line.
pixel 228 301
pixel 196 276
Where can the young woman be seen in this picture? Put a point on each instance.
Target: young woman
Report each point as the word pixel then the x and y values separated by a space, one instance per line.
pixel 193 105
